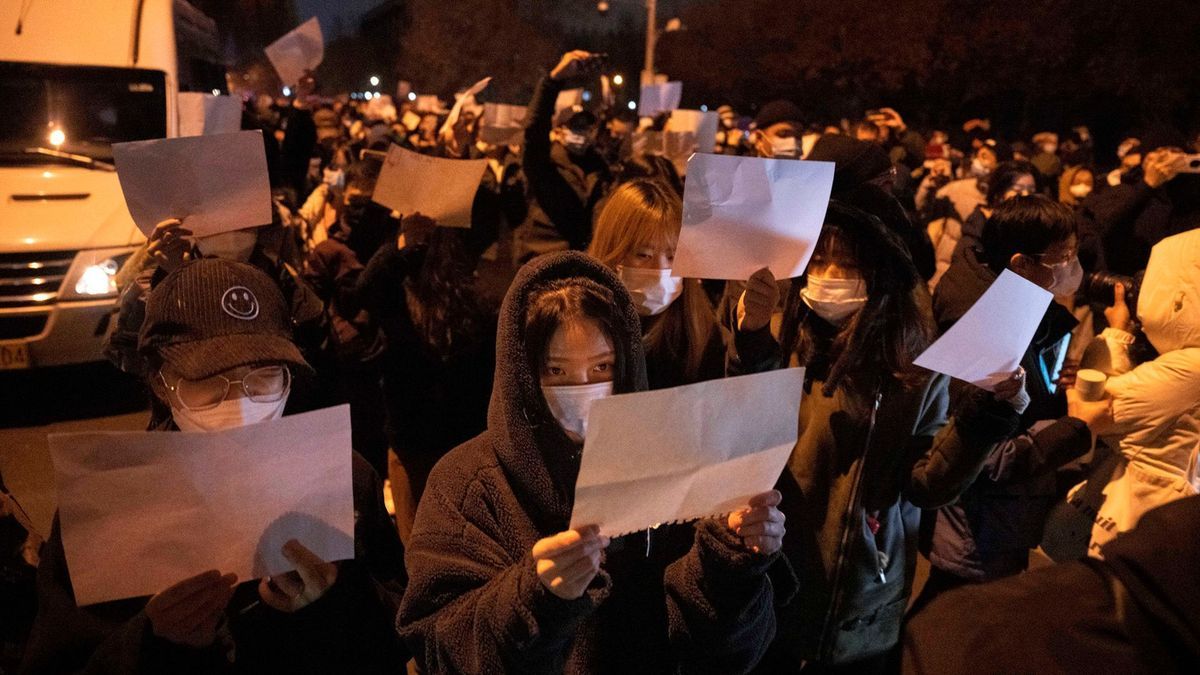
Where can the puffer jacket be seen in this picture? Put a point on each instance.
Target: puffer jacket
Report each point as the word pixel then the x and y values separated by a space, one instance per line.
pixel 988 532
pixel 861 471
pixel 679 599
pixel 1156 406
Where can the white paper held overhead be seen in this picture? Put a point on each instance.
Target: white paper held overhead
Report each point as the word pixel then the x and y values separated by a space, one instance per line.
pixel 443 189
pixel 987 343
pixel 300 50
pixel 203 114
pixel 657 98
pixel 503 124
pixel 685 453
pixel 141 511
pixel 212 183
pixel 467 98
pixel 568 98
pixel 688 132
pixel 741 214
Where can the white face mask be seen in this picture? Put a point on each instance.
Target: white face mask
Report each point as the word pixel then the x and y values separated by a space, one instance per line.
pixel 1080 190
pixel 228 414
pixel 571 404
pixel 783 147
pixel 236 245
pixel 1067 277
pixel 652 290
pixel 834 300
pixel 978 168
pixel 576 143
pixel 334 177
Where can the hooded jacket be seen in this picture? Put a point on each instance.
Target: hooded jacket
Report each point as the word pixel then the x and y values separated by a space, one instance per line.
pixel 988 532
pixel 1156 406
pixel 680 598
pixel 1136 611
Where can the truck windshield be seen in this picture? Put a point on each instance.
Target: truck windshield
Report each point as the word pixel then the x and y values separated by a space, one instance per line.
pixel 77 110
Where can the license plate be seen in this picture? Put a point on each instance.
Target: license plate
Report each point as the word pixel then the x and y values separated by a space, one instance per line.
pixel 14 356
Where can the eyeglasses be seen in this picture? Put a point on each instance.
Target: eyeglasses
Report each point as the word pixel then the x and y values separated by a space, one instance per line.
pixel 1061 260
pixel 267 384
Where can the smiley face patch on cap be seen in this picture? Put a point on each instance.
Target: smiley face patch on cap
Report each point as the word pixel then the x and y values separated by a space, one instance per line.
pixel 240 303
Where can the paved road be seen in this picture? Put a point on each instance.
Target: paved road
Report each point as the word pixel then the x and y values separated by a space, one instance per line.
pixel 38 403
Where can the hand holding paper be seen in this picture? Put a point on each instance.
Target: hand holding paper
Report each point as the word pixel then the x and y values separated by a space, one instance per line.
pixel 442 189
pixel 213 183
pixel 985 346
pixel 690 452
pixel 140 511
pixel 741 214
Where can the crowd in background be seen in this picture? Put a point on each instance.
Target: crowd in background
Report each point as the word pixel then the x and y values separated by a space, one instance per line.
pixel 438 350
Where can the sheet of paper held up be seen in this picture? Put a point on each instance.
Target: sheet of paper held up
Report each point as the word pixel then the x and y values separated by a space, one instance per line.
pixel 741 214
pixel 688 132
pixel 141 511
pixel 466 99
pixel 656 98
pixel 212 183
pixel 503 124
pixel 685 453
pixel 987 343
pixel 300 50
pixel 568 98
pixel 443 189
pixel 203 114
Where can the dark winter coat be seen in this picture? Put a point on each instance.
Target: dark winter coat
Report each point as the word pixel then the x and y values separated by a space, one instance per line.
pixel 1136 611
pixel 1132 217
pixel 688 599
pixel 434 403
pixel 348 630
pixel 665 369
pixel 564 189
pixel 988 532
pixel 861 471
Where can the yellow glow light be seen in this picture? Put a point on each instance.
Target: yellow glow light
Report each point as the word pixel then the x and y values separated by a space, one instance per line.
pixel 57 137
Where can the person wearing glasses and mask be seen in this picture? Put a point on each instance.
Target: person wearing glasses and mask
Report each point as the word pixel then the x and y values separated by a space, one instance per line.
pixel 218 340
pixel 988 533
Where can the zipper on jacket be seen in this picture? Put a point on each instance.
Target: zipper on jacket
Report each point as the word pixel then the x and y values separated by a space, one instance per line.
pixel 835 605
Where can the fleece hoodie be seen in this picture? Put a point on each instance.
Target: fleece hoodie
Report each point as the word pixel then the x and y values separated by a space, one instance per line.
pixel 679 599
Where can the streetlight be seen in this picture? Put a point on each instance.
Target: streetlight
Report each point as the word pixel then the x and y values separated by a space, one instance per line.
pixel 374 80
pixel 651 37
pixel 618 80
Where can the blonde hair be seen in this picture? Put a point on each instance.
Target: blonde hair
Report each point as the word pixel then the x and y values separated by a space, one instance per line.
pixel 645 213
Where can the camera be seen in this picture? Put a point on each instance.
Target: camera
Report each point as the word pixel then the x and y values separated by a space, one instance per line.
pixel 1097 287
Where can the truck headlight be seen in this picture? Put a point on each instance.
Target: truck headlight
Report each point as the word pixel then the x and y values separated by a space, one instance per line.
pixel 98 279
pixel 94 274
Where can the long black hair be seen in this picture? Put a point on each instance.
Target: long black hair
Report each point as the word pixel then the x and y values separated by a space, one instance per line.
pixel 442 299
pixel 881 341
pixel 564 300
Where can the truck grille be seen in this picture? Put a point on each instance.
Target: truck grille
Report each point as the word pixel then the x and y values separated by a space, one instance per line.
pixel 16 327
pixel 32 279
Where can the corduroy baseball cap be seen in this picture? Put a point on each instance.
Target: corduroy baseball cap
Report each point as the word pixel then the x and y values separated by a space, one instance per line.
pixel 212 314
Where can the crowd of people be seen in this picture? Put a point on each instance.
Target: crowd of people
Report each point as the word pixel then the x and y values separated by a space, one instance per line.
pixel 468 400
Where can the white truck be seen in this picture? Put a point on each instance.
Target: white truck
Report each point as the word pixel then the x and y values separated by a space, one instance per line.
pixel 77 76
